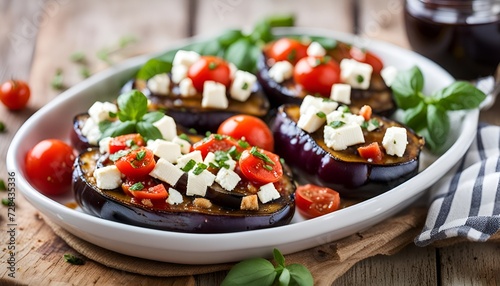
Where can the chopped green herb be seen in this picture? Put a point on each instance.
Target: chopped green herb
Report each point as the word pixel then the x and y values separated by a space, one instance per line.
pixel 243 144
pixel 112 114
pixel 85 72
pixel 344 109
pixel 200 167
pixel 57 82
pixel 244 86
pixel 78 57
pixel 218 137
pixel 282 161
pixel 375 122
pixel 184 136
pixel 137 187
pixel 130 143
pixel 254 151
pixel 117 155
pixel 70 258
pixel 2 185
pixel 233 152
pixel 189 165
pixel 321 114
pixel 394 142
pixel 336 124
pixel 208 133
pixel 2 127
pixel 268 167
pixel 292 55
pixel 360 78
pixel 5 202
pixel 193 131
pixel 140 155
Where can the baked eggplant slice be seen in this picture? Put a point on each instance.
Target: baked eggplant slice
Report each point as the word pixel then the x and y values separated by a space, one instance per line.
pixel 344 171
pixel 223 216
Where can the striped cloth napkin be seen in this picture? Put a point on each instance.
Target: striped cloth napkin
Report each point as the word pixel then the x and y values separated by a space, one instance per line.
pixel 466 202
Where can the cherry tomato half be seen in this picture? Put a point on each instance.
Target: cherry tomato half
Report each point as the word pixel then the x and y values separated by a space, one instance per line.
pixel 286 49
pixel 367 58
pixel 218 142
pixel 49 166
pixel 144 189
pixel 123 142
pixel 253 129
pixel 209 68
pixel 317 74
pixel 313 201
pixel 138 163
pixel 260 166
pixel 15 94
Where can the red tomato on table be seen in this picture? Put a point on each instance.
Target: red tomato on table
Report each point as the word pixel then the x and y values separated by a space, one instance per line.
pixel 49 166
pixel 253 129
pixel 209 68
pixel 15 94
pixel 317 74
pixel 313 201
pixel 286 49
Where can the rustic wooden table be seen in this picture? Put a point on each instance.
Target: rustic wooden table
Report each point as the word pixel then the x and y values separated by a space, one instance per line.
pixel 37 39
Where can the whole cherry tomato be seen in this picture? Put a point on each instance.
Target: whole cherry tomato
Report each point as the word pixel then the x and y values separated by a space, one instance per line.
pixel 317 74
pixel 209 68
pixel 15 94
pixel 49 166
pixel 253 129
pixel 286 49
pixel 313 201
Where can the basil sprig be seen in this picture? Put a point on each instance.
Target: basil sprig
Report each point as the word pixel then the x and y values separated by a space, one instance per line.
pixel 428 115
pixel 261 272
pixel 133 117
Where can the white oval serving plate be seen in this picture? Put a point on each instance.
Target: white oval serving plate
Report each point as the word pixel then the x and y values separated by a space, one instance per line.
pixel 54 120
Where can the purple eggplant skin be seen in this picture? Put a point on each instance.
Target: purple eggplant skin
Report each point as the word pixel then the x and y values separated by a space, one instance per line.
pixel 189 112
pixel 77 139
pixel 378 96
pixel 114 205
pixel 344 171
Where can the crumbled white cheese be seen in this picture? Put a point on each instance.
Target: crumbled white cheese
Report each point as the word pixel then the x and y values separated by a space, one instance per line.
pixel 355 73
pixel 214 95
pixel 196 185
pixel 167 150
pixel 179 73
pixel 108 177
pixel 321 104
pixel 389 74
pixel 159 84
pixel 186 87
pixel 311 121
pixel 315 49
pixel 185 58
pixel 345 117
pixel 100 111
pixel 185 145
pixel 242 85
pixel 395 141
pixel 281 71
pixel 166 172
pixel 167 127
pixel 184 159
pixel 340 138
pixel 174 197
pixel 341 92
pixel 228 179
pixel 104 145
pixel 91 131
pixel 268 193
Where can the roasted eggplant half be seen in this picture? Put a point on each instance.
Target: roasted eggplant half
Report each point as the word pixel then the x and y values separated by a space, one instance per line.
pixel 344 171
pixel 222 215
pixel 378 95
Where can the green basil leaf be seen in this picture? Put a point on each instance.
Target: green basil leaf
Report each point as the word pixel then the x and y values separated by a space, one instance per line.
pixel 300 275
pixel 459 95
pixel 132 105
pixel 153 116
pixel 261 32
pixel 212 48
pixel 407 87
pixel 118 128
pixel 280 259
pixel 284 279
pixel 284 20
pixel 416 117
pixel 327 43
pixel 152 68
pixel 229 37
pixel 438 124
pixel 148 130
pixel 256 271
pixel 243 54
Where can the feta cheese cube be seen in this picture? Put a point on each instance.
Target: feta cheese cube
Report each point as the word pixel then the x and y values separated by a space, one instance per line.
pixel 342 137
pixel 91 131
pixel 196 185
pixel 100 111
pixel 281 71
pixel 207 176
pixel 174 197
pixel 108 178
pixel 389 74
pixel 395 141
pixel 321 104
pixel 185 145
pixel 250 203
pixel 268 193
pixel 186 87
pixel 166 172
pixel 167 150
pixel 242 85
pixel 341 92
pixel 159 84
pixel 185 58
pixel 104 145
pixel 311 121
pixel 228 179
pixel 355 73
pixel 346 117
pixel 315 49
pixel 179 72
pixel 184 159
pixel 214 95
pixel 209 158
pixel 167 127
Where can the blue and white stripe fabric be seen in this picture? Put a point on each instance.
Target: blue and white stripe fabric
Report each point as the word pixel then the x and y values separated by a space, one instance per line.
pixel 466 202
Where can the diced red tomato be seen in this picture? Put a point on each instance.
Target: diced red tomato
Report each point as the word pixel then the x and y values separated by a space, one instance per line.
pixel 317 74
pixel 145 188
pixel 123 142
pixel 209 68
pixel 368 58
pixel 260 166
pixel 366 112
pixel 313 201
pixel 286 49
pixel 218 142
pixel 371 152
pixel 253 129
pixel 138 163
